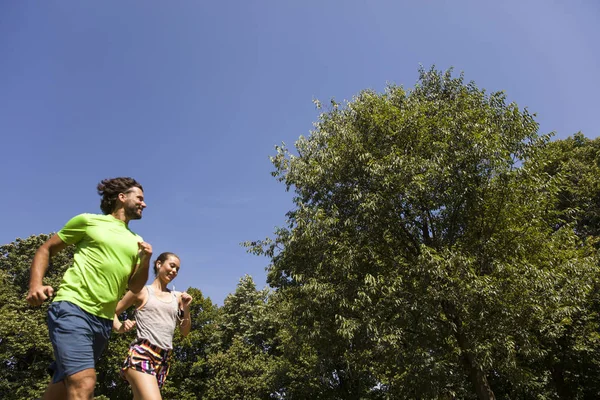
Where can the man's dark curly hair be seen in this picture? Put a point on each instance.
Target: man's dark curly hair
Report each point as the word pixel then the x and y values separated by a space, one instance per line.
pixel 109 189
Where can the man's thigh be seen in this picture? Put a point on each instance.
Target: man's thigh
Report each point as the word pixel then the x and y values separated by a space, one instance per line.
pixel 77 339
pixel 80 386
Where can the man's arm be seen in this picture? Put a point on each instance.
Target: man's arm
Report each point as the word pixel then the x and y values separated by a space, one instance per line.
pixel 139 276
pixel 38 293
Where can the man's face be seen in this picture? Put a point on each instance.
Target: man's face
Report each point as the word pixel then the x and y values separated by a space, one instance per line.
pixel 134 203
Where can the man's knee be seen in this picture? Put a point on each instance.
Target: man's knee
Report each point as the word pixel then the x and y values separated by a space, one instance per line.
pixel 55 391
pixel 81 384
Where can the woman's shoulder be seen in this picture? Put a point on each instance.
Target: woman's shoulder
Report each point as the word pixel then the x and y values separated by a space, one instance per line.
pixel 141 297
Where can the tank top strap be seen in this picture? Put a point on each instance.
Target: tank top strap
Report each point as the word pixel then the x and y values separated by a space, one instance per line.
pixel 152 293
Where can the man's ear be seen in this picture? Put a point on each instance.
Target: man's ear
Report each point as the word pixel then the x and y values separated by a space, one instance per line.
pixel 122 197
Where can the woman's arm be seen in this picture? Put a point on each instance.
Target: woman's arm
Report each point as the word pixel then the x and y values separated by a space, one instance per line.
pixel 127 301
pixel 185 324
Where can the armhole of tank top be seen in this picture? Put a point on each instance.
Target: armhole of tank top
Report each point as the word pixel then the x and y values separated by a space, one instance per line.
pixel 175 297
pixel 147 298
pixel 179 311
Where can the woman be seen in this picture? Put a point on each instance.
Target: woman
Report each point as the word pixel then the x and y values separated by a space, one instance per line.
pixel 158 312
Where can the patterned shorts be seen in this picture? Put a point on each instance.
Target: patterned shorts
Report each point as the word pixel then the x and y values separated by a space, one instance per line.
pixel 147 358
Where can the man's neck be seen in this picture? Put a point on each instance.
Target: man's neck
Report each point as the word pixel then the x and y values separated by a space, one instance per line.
pixel 120 215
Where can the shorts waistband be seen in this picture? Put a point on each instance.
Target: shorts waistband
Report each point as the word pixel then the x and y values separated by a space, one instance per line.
pixel 156 349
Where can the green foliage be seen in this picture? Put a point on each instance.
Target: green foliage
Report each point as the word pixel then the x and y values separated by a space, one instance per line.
pixel 25 351
pixel 242 363
pixel 573 349
pixel 243 315
pixel 576 161
pixel 240 372
pixel 422 258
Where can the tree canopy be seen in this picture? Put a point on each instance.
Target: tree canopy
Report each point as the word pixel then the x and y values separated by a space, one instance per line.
pixel 427 255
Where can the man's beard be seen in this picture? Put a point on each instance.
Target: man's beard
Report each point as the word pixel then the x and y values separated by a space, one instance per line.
pixel 133 212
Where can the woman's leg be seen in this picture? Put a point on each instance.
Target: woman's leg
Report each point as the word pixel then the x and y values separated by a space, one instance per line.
pixel 144 386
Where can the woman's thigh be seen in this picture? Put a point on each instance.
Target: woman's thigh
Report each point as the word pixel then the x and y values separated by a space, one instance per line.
pixel 144 386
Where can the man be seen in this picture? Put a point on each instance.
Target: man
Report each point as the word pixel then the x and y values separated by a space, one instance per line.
pixel 109 258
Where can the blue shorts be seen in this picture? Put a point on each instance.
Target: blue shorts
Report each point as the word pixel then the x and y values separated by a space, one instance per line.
pixel 78 338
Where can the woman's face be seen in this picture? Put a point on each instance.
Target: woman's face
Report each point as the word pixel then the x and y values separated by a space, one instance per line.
pixel 168 269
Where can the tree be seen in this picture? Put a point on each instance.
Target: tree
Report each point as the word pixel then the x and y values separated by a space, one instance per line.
pixel 25 350
pixel 243 315
pixel 422 252
pixel 573 353
pixel 576 161
pixel 241 362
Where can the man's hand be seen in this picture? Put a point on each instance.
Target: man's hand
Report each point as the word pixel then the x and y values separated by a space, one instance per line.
pixel 139 273
pixel 145 250
pixel 38 294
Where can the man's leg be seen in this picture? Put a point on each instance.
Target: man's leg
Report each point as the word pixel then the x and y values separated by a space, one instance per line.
pixel 80 385
pixel 78 339
pixel 55 391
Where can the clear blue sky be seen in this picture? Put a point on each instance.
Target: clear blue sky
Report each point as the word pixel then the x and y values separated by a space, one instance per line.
pixel 190 97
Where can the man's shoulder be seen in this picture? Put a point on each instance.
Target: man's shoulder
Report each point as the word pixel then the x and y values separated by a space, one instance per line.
pixel 77 222
pixel 106 222
pixel 88 217
pixel 101 219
